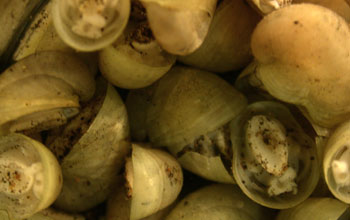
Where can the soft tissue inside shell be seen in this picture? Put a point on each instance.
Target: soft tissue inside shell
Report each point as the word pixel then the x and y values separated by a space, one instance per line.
pixel 214 143
pixel 90 18
pixel 268 178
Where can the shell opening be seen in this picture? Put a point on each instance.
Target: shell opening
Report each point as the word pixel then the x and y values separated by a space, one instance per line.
pixel 341 169
pixel 267 155
pixel 18 178
pixel 42 120
pixel 92 16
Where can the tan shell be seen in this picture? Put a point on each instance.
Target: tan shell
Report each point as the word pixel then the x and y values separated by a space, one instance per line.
pixel 341 7
pixel 14 15
pixel 306 77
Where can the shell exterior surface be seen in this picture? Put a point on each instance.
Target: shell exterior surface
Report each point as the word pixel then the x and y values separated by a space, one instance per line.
pixel 14 16
pixel 341 7
pixel 90 25
pixel 137 103
pixel 227 44
pixel 157 180
pixel 196 101
pixel 43 86
pixel 179 26
pixel 31 176
pixel 42 36
pixel 189 108
pixel 255 162
pixel 130 64
pixel 336 162
pixel 90 168
pixel 46 214
pixel 218 201
pixel 119 204
pixel 315 78
pixel 316 208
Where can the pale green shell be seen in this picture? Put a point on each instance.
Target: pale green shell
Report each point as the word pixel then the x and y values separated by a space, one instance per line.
pixel 154 182
pixel 40 83
pixel 186 104
pixel 90 168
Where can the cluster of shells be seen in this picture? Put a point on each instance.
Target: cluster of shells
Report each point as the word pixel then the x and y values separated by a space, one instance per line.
pixel 168 110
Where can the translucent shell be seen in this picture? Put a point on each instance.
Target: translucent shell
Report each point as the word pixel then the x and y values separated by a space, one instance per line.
pixel 90 25
pixel 274 162
pixel 31 177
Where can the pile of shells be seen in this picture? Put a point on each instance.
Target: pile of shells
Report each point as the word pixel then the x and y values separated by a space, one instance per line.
pixel 167 110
